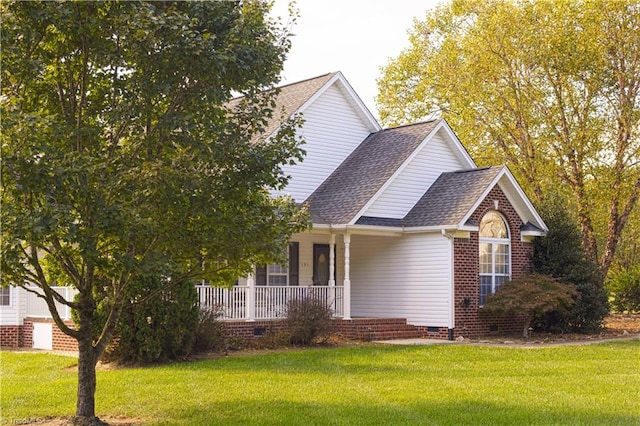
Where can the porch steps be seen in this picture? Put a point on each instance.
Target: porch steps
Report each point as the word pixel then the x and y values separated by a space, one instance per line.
pixel 378 329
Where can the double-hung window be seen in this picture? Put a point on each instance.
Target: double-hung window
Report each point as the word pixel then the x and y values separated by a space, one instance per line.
pixel 495 254
pixel 280 275
pixel 5 296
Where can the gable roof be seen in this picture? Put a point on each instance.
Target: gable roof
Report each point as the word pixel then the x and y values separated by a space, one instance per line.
pixel 455 196
pixel 294 98
pixel 452 197
pixel 347 190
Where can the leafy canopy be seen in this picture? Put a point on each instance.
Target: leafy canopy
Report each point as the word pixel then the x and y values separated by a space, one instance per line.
pixel 560 255
pixel 122 159
pixel 552 88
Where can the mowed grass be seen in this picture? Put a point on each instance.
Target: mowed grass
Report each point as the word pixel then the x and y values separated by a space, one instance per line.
pixel 360 385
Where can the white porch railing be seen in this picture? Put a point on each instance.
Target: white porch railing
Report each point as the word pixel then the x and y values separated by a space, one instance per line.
pixel 269 302
pixel 37 307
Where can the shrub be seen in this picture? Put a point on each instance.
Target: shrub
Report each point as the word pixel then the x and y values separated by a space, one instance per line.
pixel 530 295
pixel 210 332
pixel 159 328
pixel 624 288
pixel 308 318
pixel 560 254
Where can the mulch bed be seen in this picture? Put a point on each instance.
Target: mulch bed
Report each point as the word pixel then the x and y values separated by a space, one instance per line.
pixel 616 326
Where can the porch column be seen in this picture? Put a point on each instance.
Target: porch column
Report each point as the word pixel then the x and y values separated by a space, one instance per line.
pixel 332 272
pixel 250 298
pixel 347 280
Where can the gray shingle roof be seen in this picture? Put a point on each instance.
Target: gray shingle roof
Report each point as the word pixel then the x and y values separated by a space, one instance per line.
pixel 451 197
pixel 379 221
pixel 346 191
pixel 289 100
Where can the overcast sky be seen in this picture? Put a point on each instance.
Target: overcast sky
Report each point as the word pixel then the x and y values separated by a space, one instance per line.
pixel 356 37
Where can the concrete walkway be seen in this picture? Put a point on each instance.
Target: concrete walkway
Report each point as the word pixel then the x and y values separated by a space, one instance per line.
pixel 415 342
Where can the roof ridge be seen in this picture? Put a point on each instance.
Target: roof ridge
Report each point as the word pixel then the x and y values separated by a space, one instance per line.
pixel 411 124
pixel 477 169
pixel 294 83
pixel 306 80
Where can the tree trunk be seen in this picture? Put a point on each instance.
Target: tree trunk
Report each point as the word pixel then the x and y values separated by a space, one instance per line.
pixel 87 360
pixel 86 407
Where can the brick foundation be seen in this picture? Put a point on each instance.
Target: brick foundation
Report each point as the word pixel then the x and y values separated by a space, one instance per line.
pixel 441 333
pixel 253 329
pixel 376 329
pixel 12 336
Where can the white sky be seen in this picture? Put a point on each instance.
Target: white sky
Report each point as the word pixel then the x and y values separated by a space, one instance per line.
pixel 356 37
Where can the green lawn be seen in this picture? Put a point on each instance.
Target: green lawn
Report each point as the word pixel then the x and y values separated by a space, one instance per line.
pixel 364 385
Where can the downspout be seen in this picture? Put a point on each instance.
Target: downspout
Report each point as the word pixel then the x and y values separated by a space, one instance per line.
pixel 452 322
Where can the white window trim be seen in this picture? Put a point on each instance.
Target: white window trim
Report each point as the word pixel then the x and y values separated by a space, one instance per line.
pixel 493 242
pixel 10 304
pixel 284 272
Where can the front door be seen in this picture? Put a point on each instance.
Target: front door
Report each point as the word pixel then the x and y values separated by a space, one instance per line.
pixel 320 264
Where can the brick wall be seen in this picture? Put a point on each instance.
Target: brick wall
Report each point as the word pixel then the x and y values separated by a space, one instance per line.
pixel 60 341
pixel 467 274
pixel 12 336
pixel 254 329
pixel 441 333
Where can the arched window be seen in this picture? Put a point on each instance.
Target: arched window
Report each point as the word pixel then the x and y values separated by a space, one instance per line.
pixel 495 254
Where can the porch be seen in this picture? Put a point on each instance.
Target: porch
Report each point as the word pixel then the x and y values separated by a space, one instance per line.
pixel 239 303
pixel 247 312
pixel 253 303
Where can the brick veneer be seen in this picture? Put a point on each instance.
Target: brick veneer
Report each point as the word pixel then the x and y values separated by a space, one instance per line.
pixel 60 341
pixel 252 329
pixel 468 322
pixel 12 336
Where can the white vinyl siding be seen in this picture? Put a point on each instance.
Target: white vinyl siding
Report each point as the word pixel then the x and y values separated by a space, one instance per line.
pixel 305 261
pixel 404 277
pixel 14 313
pixel 5 296
pixel 332 130
pixel 306 242
pixel 413 181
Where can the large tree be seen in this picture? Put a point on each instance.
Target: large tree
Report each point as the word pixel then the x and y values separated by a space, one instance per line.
pixel 550 88
pixel 121 159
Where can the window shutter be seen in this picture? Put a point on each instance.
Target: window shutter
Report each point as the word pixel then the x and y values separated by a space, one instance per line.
pixel 261 275
pixel 293 263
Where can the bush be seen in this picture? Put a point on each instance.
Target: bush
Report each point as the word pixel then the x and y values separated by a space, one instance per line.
pixel 560 254
pixel 160 328
pixel 624 288
pixel 210 333
pixel 308 319
pixel 530 295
